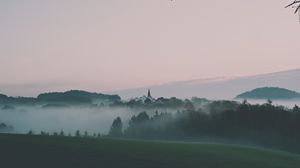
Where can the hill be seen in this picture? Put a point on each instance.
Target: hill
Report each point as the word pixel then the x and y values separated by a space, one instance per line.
pixel 269 93
pixel 219 88
pixel 38 151
pixel 68 97
pixel 213 88
pixel 76 96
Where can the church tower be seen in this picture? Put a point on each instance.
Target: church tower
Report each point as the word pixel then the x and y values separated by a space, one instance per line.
pixel 149 93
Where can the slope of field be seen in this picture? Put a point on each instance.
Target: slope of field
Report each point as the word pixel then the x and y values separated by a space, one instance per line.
pixel 37 151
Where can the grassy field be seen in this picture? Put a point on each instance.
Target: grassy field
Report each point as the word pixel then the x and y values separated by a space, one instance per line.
pixel 36 151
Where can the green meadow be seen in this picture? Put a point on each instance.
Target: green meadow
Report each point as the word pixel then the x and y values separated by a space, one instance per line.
pixel 43 151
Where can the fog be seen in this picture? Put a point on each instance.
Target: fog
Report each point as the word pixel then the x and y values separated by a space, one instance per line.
pixel 93 120
pixel 285 103
pixel 69 119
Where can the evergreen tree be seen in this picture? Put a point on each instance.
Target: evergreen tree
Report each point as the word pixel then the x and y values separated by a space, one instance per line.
pixel 61 133
pixel 86 134
pixel 116 128
pixel 55 134
pixel 77 133
pixel 296 108
pixel 30 132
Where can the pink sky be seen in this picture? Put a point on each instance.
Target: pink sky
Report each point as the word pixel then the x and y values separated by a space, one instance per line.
pixel 103 45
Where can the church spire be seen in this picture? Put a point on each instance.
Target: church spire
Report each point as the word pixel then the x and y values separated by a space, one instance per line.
pixel 149 93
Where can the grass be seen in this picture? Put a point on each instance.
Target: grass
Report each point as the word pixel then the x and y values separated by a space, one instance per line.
pixel 37 151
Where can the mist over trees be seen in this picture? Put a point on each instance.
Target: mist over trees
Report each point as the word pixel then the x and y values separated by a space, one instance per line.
pixel 169 118
pixel 4 128
pixel 266 124
pixel 116 128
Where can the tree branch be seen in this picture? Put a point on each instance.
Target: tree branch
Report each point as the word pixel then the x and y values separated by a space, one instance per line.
pixel 295 3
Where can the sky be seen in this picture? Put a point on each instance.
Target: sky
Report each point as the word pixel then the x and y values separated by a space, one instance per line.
pixel 107 45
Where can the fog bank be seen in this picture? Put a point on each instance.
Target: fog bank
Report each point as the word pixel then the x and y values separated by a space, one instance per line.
pixel 93 120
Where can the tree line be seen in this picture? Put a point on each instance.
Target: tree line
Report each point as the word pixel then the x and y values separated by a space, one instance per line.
pixel 266 124
pixel 77 133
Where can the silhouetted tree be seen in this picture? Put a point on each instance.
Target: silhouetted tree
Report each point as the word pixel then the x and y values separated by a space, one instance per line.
pixel 296 108
pixel 266 124
pixel 77 133
pixel 116 128
pixel 61 133
pixel 6 128
pixel 245 101
pixel 44 133
pixel 189 105
pixel 30 132
pixel 269 102
pixel 86 134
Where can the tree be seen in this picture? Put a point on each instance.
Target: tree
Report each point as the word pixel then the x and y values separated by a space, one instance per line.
pixel 269 102
pixel 116 128
pixel 189 105
pixel 295 4
pixel 61 133
pixel 30 132
pixel 55 134
pixel 245 102
pixel 43 133
pixel 77 133
pixel 296 109
pixel 139 119
pixel 86 134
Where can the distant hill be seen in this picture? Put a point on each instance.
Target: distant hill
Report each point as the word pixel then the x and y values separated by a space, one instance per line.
pixel 2 96
pixel 16 100
pixel 68 97
pixel 269 93
pixel 213 88
pixel 219 88
pixel 76 96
